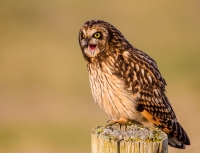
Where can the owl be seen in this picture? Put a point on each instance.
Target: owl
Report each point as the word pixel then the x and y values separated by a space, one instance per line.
pixel 126 82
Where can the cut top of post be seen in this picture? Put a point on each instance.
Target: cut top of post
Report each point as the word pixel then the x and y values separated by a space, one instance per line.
pixel 128 138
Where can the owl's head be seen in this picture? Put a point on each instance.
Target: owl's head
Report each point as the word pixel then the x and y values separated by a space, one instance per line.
pixel 97 36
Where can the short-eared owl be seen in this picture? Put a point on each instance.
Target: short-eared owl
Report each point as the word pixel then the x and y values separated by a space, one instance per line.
pixel 126 82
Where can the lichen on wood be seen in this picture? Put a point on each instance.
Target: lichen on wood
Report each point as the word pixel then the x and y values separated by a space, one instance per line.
pixel 128 138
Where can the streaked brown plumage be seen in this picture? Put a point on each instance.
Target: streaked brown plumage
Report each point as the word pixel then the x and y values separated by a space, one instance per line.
pixel 126 82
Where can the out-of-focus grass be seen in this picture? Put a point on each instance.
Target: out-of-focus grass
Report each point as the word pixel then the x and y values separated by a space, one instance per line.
pixel 45 99
pixel 55 137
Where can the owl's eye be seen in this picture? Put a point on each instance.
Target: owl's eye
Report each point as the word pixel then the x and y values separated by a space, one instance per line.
pixel 97 35
pixel 84 36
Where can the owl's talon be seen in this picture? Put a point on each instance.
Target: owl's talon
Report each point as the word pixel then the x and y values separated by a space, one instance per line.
pixel 121 121
pixel 111 122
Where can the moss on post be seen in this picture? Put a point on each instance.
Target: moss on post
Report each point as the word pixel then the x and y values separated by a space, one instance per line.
pixel 128 138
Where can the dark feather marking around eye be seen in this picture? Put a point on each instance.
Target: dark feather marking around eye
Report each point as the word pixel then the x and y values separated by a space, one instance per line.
pixel 111 37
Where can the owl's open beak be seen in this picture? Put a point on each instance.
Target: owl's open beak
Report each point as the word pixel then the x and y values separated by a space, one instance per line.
pixel 92 48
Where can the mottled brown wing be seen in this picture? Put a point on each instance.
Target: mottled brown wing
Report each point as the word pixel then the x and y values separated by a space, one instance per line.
pixel 150 91
pixel 143 78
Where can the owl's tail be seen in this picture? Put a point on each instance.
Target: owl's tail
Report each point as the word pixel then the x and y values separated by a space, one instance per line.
pixel 178 137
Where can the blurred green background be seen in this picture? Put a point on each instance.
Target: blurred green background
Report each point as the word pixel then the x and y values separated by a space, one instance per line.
pixel 45 100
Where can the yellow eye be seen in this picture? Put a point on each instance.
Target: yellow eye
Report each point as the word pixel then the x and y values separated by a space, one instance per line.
pixel 97 35
pixel 84 36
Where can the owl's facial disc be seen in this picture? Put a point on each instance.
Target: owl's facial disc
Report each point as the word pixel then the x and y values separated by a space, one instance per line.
pixel 92 40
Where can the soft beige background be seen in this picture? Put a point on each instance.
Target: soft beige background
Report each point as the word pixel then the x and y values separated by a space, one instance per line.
pixel 45 100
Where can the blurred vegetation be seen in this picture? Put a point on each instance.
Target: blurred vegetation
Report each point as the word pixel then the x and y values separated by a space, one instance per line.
pixel 45 100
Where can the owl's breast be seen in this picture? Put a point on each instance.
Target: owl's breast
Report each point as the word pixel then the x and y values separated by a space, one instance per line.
pixel 109 92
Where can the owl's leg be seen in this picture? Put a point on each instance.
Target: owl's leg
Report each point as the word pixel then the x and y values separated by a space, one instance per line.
pixel 121 121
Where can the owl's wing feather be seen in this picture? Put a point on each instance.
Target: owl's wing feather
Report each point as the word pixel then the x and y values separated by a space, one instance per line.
pixel 148 87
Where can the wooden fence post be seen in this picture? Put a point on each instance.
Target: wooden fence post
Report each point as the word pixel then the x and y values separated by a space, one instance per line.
pixel 128 138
